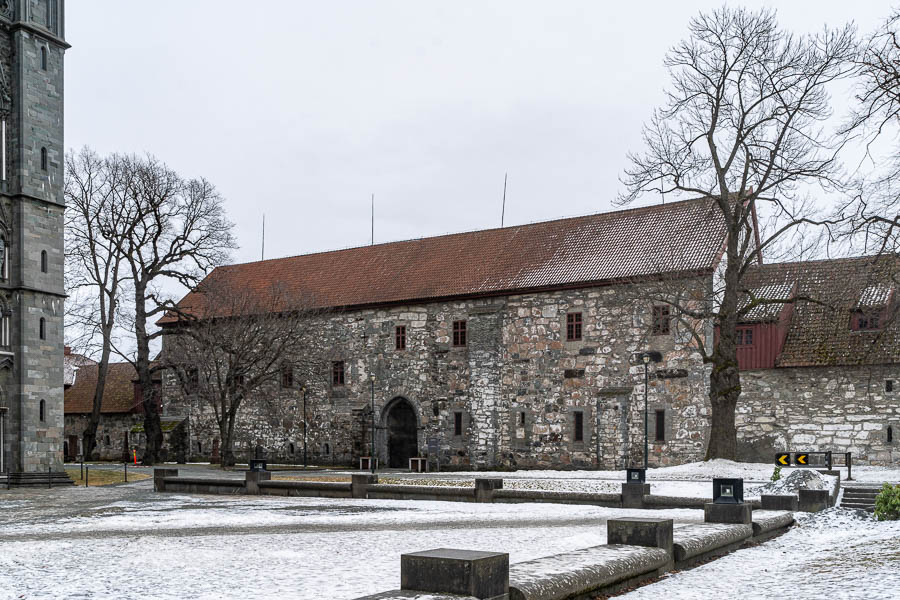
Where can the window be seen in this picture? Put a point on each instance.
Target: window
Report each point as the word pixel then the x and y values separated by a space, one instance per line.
pixel 400 337
pixel 890 434
pixel 238 381
pixel 337 372
pixel 866 322
pixel 106 440
pixel 4 329
pixel 889 385
pixel 660 425
pixel 42 329
pixel 44 159
pixel 522 418
pixel 457 423
pixel 287 376
pixel 291 448
pixel 459 333
pixel 4 257
pixel 43 410
pixel 44 58
pixel 43 261
pixel 743 337
pixel 660 320
pixel 199 448
pixel 573 327
pixel 192 379
pixel 579 426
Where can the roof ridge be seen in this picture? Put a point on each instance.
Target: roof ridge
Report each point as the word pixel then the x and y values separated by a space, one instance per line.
pixel 824 260
pixel 636 209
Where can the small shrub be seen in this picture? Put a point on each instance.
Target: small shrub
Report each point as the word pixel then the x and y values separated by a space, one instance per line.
pixel 777 474
pixel 887 503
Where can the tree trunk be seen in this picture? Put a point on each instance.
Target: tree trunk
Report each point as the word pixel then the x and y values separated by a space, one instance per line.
pixel 152 425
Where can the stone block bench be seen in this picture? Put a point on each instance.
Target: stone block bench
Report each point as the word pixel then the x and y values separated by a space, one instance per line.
pixel 413 595
pixel 202 485
pixel 420 492
pixel 695 543
pixel 607 500
pixel 769 523
pixel 578 573
pixel 306 489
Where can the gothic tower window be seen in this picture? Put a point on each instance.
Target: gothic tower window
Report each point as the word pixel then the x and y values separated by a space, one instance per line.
pixel 4 259
pixel 43 261
pixel 4 329
pixel 44 58
pixel 43 329
pixel 43 159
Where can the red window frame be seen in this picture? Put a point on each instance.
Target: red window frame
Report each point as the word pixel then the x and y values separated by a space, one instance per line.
pixel 400 337
pixel 661 316
pixel 459 333
pixel 337 372
pixel 743 336
pixel 866 321
pixel 573 327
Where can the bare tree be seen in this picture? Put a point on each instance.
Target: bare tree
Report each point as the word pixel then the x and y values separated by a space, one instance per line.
pixel 94 274
pixel 874 213
pixel 743 125
pixel 233 346
pixel 174 232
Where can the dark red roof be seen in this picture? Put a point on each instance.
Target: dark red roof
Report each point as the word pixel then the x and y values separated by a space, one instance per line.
pixel 118 393
pixel 679 237
pixel 820 332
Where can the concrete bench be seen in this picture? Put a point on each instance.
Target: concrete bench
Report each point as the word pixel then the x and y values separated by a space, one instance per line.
pixel 412 595
pixel 769 523
pixel 202 485
pixel 609 500
pixel 580 572
pixel 421 492
pixel 693 543
pixel 309 489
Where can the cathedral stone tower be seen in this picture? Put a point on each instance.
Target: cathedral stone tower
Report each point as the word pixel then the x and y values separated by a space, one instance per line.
pixel 32 46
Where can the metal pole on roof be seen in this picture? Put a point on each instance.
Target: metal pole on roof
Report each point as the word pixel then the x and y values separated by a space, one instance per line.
pixel 373 219
pixel 503 211
pixel 263 254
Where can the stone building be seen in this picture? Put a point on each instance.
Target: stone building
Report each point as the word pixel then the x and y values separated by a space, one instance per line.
pixel 32 45
pixel 822 373
pixel 502 348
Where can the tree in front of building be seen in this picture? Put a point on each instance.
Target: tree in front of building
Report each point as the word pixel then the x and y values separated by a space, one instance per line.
pixel 744 125
pixel 236 348
pixel 174 232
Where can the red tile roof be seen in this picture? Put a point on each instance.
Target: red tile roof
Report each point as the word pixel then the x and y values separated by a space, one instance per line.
pixel 682 236
pixel 819 333
pixel 118 393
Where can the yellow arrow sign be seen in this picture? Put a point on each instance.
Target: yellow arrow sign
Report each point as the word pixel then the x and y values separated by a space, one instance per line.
pixel 800 459
pixel 783 459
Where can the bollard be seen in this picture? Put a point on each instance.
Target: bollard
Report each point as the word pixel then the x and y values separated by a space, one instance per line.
pixel 787 502
pixel 87 472
pixel 252 479
pixel 813 500
pixel 484 489
pixel 159 478
pixel 82 468
pixel 653 533
pixel 126 471
pixel 483 575
pixel 633 494
pixel 359 484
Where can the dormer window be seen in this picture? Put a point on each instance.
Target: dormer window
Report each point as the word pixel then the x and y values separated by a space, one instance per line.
pixel 865 321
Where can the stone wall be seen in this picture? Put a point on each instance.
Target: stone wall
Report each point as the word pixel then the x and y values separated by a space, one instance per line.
pixel 517 385
pixel 113 434
pixel 842 409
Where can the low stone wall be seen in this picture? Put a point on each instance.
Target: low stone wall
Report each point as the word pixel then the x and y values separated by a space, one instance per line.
pixel 608 500
pixel 696 543
pixel 383 491
pixel 308 489
pixel 202 485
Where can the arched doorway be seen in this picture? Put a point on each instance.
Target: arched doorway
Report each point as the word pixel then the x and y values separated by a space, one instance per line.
pixel 402 434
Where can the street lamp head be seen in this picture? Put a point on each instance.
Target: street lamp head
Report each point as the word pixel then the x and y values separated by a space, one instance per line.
pixel 372 378
pixel 646 358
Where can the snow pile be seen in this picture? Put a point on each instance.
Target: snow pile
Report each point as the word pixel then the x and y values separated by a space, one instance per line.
pixel 835 518
pixel 799 479
pixel 714 468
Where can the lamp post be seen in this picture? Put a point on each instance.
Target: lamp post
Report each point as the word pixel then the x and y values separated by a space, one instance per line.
pixel 305 427
pixel 646 359
pixel 372 456
pixel 650 356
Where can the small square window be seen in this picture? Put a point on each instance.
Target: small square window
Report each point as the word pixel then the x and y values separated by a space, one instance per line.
pixel 660 320
pixel 573 327
pixel 459 333
pixel 457 423
pixel 400 337
pixel 337 372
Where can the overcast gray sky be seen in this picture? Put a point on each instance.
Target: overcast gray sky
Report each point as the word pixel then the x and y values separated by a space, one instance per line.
pixel 300 110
